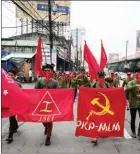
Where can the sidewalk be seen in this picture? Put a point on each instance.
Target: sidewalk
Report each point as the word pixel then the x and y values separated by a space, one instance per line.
pixel 30 139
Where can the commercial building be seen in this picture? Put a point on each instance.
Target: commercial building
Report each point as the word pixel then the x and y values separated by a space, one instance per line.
pixel 36 23
pixel 78 36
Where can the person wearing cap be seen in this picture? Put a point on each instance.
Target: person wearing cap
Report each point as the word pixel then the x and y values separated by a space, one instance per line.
pixel 62 80
pixel 82 80
pixel 115 81
pixel 73 83
pixel 125 82
pixel 47 82
pixel 100 83
pixel 134 103
pixel 12 120
pixel 109 81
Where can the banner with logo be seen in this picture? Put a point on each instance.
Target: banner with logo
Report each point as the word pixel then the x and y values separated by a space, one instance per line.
pixel 101 112
pixel 48 105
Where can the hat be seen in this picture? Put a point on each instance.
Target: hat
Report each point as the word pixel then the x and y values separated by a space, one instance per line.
pixel 101 73
pixel 47 66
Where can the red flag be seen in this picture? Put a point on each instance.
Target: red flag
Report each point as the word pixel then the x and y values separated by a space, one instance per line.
pixel 38 58
pixel 103 59
pixel 14 100
pixel 49 105
pixel 91 60
pixel 101 112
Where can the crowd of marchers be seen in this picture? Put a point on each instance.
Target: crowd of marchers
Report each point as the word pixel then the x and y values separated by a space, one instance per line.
pixel 52 80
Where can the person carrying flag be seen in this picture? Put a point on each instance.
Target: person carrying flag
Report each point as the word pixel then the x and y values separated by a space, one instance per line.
pixel 12 120
pixel 47 82
pixel 99 83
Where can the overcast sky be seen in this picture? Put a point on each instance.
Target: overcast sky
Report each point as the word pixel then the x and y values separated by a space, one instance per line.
pixel 114 22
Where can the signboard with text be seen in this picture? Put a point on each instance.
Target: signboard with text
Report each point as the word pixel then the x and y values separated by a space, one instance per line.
pixel 39 10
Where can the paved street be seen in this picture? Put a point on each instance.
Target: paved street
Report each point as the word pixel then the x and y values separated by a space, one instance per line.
pixel 30 139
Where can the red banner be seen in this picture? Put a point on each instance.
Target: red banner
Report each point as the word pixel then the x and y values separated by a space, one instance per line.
pixel 38 58
pixel 14 100
pixel 103 59
pixel 49 105
pixel 91 61
pixel 101 112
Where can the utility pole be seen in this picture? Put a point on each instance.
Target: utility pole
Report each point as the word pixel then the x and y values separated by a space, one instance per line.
pixel 77 54
pixel 50 29
pixel 125 66
pixel 126 52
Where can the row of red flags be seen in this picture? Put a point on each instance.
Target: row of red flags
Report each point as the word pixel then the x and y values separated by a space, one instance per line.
pixel 88 57
pixel 92 62
pixel 100 111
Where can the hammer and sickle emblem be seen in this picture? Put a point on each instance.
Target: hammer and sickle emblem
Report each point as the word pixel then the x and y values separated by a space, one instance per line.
pixel 46 109
pixel 105 109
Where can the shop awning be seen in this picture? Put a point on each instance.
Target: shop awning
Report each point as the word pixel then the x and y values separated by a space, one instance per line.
pixel 18 55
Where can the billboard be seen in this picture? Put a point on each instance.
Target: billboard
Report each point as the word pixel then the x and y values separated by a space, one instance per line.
pixel 39 10
pixel 113 57
pixel 138 43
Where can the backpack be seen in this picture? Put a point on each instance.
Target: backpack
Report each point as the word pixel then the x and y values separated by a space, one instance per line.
pixel 94 85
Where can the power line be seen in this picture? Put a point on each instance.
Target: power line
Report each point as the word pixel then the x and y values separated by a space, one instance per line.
pixel 27 9
pixel 38 13
pixel 34 10
pixel 60 39
pixel 27 12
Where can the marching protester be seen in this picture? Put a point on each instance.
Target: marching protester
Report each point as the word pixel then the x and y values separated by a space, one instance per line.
pixel 100 83
pixel 47 82
pixel 62 80
pixel 82 80
pixel 117 80
pixel 124 85
pixel 73 83
pixel 12 120
pixel 134 103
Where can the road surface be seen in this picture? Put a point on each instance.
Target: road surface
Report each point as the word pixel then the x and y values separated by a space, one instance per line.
pixel 30 139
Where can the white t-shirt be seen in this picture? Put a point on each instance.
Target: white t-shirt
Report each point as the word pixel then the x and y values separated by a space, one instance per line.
pixel 30 73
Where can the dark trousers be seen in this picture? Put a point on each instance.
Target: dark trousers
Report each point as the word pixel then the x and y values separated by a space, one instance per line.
pixel 13 125
pixel 48 126
pixel 133 113
pixel 75 93
pixel 30 79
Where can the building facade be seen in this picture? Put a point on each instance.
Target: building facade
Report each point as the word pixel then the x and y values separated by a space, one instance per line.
pixel 78 36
